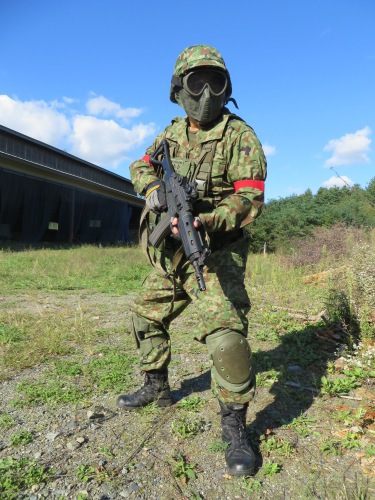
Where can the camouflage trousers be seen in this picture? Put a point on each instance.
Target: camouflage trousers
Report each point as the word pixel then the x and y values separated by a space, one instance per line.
pixel 223 306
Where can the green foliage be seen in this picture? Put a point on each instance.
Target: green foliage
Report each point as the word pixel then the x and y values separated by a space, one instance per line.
pixel 21 474
pixel 194 403
pixel 71 382
pixel 270 468
pixel 339 310
pixel 21 437
pixel 370 450
pixel 185 427
pixel 218 446
pixel 85 472
pixel 348 417
pixel 301 425
pixel 351 441
pixel 331 447
pixel 181 468
pixel 338 385
pixel 276 446
pixel 6 421
pixel 250 485
pixel 9 334
pixel 337 446
pixel 294 217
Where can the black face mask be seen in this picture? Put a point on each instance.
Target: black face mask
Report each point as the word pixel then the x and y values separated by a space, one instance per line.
pixel 203 94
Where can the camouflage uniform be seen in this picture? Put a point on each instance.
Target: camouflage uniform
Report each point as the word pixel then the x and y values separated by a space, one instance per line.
pixel 227 161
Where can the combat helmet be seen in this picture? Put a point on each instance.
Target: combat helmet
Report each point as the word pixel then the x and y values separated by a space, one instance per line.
pixel 197 56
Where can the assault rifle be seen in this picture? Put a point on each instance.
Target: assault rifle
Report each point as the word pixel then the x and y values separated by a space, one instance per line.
pixel 180 194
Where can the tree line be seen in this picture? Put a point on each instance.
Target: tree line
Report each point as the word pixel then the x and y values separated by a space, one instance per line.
pixel 286 219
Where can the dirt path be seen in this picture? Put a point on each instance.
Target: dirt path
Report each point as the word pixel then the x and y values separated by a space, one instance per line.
pixel 308 445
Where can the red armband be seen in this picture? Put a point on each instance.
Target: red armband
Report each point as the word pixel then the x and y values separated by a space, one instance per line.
pixel 146 158
pixel 249 183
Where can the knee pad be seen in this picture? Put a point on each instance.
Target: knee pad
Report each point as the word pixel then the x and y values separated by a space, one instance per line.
pixel 231 358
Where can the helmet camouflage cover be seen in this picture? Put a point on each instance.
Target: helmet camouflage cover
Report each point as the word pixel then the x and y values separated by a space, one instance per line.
pixel 198 56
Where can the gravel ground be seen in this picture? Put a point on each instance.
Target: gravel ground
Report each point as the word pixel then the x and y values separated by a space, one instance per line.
pixel 99 452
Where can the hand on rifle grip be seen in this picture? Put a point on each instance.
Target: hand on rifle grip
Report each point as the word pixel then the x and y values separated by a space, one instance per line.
pixel 156 199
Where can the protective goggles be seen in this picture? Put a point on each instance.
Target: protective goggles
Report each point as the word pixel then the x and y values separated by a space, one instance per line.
pixel 195 81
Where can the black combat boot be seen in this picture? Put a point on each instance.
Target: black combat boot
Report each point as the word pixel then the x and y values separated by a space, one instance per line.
pixel 239 456
pixel 156 388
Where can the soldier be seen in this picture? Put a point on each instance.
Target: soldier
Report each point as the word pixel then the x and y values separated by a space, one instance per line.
pixel 222 154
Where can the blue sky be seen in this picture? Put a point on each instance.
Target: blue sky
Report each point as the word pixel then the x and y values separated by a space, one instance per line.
pixel 93 77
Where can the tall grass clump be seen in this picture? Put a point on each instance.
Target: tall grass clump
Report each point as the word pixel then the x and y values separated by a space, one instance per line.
pixel 345 257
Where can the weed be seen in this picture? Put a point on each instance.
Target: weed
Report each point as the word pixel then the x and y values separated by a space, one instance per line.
pixel 85 472
pixel 52 391
pixel 9 334
pixel 358 372
pixel 106 451
pixel 336 446
pixel 331 367
pixel 370 450
pixel 250 485
pixel 348 417
pixel 21 437
pixel 338 386
pixel 218 446
pixel 266 379
pixel 339 310
pixel 17 475
pixel 181 468
pixel 351 441
pixel 150 409
pixel 70 383
pixel 6 421
pixel 276 446
pixel 271 468
pixel 185 427
pixel 70 368
pixel 331 447
pixel 300 425
pixel 194 403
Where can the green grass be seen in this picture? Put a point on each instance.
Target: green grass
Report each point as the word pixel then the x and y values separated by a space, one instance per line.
pixel 109 270
pixel 20 474
pixel 70 381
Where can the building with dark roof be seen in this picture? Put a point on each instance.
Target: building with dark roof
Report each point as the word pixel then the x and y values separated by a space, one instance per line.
pixel 47 195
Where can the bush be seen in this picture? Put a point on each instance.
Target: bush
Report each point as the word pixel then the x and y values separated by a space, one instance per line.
pixel 326 246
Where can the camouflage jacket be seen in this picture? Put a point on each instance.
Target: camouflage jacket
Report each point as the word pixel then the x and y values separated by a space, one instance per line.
pixel 227 161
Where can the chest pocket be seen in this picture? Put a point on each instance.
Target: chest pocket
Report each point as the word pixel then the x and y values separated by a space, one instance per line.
pixel 209 173
pixel 183 167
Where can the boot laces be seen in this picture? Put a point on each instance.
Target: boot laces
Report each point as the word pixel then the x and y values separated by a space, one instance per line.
pixel 238 426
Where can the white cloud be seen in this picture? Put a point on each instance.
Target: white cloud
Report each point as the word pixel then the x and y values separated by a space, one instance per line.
pixel 101 141
pixel 269 150
pixel 349 149
pixel 37 119
pixel 338 182
pixel 100 105
pixel 104 142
